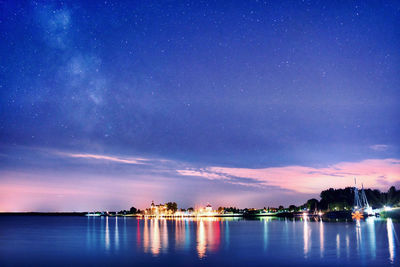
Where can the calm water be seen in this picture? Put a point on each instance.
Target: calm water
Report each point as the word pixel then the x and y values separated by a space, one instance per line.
pixel 42 240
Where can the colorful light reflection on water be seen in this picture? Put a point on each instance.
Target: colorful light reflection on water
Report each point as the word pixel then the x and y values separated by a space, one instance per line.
pixel 45 240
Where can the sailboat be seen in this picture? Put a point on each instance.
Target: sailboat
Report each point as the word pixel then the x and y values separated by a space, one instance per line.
pixel 361 206
pixel 364 202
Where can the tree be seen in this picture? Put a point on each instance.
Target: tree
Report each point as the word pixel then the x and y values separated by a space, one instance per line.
pixel 392 196
pixel 331 197
pixel 190 209
pixel 312 204
pixel 344 198
pixel 133 210
pixel 292 208
pixel 172 206
pixel 281 208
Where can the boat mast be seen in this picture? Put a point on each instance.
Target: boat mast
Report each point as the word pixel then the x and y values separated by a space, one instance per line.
pixel 357 202
pixel 364 198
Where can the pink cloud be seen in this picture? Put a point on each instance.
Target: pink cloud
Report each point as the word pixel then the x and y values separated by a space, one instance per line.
pixel 307 180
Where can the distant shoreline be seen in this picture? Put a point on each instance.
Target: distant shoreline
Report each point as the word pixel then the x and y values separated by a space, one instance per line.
pixel 44 213
pixel 85 214
pixel 127 215
pixel 395 213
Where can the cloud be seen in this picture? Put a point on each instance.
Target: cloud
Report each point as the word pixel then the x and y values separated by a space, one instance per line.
pixel 308 179
pixel 379 147
pixel 202 173
pixel 128 160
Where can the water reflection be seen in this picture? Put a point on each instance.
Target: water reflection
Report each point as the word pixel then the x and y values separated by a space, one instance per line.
pixel 362 240
pixel 215 235
pixel 125 235
pixel 265 235
pixel 88 234
pixel 155 243
pixel 371 232
pixel 201 239
pixel 146 240
pixel 116 234
pixel 164 234
pixel 306 237
pixel 187 234
pixel 138 236
pixel 155 235
pixel 391 243
pixel 321 238
pixel 358 235
pixel 227 239
pixel 208 235
pixel 180 233
pixel 107 236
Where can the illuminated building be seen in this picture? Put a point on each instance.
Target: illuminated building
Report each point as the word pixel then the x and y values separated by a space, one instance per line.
pixel 208 208
pixel 162 210
pixel 157 210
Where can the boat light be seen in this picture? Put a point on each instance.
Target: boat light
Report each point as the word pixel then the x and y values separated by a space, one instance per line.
pixel 387 208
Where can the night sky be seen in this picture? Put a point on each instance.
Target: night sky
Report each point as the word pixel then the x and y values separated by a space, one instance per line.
pixel 109 104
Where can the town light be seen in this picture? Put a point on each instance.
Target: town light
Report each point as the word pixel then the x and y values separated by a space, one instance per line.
pixel 387 208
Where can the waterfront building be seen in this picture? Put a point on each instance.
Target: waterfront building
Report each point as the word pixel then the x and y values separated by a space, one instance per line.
pixel 208 208
pixel 157 210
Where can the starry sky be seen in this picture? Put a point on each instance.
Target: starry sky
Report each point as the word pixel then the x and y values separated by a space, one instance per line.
pixel 109 104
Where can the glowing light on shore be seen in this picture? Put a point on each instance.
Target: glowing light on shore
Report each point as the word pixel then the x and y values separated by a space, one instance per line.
pixel 162 211
pixel 386 208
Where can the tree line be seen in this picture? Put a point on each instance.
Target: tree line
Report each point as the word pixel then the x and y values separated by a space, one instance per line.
pixel 330 199
pixel 343 199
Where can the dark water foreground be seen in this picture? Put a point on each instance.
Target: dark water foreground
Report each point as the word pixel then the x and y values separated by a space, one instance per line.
pixel 45 240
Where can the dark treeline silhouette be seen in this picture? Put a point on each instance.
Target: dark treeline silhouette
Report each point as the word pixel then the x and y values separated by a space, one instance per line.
pixel 342 199
pixel 228 210
pixel 173 206
pixel 132 210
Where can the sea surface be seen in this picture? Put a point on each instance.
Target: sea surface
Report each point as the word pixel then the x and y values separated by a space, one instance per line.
pixel 72 241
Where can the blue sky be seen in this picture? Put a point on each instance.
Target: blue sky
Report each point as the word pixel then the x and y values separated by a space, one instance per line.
pixel 173 97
